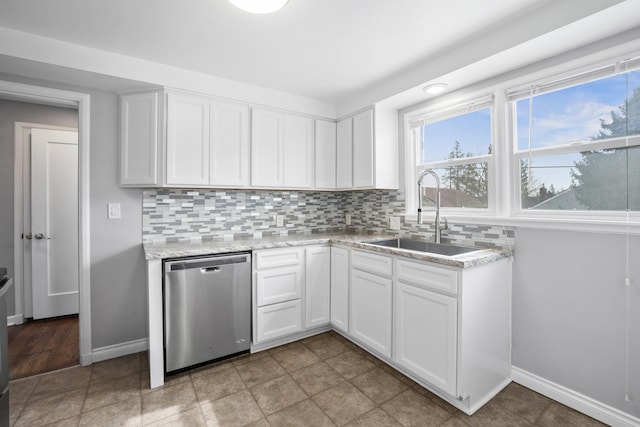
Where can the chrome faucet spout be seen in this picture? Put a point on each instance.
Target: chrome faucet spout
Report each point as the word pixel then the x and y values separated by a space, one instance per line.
pixel 438 229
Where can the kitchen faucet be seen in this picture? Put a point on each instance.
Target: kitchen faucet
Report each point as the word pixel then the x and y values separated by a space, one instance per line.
pixel 439 227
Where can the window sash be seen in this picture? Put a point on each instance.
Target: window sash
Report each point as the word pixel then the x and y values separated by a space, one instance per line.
pixel 438 115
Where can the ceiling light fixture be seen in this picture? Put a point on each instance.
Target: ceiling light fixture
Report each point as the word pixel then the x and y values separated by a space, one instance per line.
pixel 259 6
pixel 434 88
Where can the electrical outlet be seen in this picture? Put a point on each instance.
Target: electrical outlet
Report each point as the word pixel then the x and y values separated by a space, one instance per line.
pixel 279 220
pixel 394 223
pixel 347 219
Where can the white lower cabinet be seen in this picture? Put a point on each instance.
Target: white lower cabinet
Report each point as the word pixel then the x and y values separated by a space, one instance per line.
pixel 340 288
pixel 425 334
pixel 291 291
pixel 317 286
pixel 277 320
pixel 370 303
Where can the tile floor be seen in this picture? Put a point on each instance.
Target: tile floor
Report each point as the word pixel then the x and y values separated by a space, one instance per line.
pixel 320 381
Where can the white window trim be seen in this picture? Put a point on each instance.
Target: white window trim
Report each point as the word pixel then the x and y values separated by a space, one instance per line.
pixel 504 192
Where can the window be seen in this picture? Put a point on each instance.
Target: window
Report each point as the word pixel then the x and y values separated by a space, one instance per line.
pixel 456 144
pixel 577 143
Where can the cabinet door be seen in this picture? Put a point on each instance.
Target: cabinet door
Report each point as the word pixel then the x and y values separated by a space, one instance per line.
pixel 229 144
pixel 325 158
pixel 340 288
pixel 317 286
pixel 344 154
pixel 139 139
pixel 187 140
pixel 278 320
pixel 370 310
pixel 279 284
pixel 266 148
pixel 298 152
pixel 363 155
pixel 425 335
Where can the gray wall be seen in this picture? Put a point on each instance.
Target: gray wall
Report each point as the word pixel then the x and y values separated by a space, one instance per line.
pixel 11 112
pixel 570 312
pixel 118 274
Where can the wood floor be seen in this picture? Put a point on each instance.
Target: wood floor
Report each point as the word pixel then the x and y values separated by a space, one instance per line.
pixel 39 346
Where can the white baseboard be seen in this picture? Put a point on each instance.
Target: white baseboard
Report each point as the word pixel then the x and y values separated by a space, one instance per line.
pixel 118 350
pixel 16 319
pixel 573 399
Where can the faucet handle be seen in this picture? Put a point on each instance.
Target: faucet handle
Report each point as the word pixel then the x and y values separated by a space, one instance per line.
pixel 446 224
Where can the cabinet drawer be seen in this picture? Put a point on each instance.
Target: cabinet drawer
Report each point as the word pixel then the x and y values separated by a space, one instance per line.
pixel 428 276
pixel 279 285
pixel 278 320
pixel 278 257
pixel 373 263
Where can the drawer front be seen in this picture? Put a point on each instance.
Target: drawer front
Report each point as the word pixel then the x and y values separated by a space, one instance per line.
pixel 373 263
pixel 279 285
pixel 271 258
pixel 428 276
pixel 278 320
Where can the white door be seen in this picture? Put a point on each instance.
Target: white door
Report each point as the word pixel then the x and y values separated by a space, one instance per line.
pixel 318 286
pixel 340 289
pixel 370 310
pixel 54 222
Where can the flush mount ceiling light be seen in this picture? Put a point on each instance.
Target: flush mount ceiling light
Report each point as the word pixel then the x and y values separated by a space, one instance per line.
pixel 259 6
pixel 434 88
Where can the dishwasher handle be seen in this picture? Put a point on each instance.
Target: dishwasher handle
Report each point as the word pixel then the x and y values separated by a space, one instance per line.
pixel 207 264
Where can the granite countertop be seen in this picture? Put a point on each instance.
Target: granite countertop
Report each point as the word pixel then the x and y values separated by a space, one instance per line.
pixel 359 241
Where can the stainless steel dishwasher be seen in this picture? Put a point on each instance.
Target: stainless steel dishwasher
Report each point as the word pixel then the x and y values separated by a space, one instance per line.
pixel 207 309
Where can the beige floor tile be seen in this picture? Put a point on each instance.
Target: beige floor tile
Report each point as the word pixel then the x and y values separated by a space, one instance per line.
pixel 238 409
pixel 377 418
pixel 217 384
pixel 52 408
pixel 61 381
pixel 262 422
pixel 327 347
pixel 295 358
pixel 211 368
pixel 277 394
pixel 522 401
pixel 560 415
pixel 343 403
pixel 169 381
pixel 305 413
pixel 20 390
pixel 190 418
pixel 378 385
pixel 168 401
pixel 494 415
pixel 412 409
pixel 454 421
pixel 350 364
pixel 321 336
pixel 67 422
pixel 316 378
pixel 116 368
pixel 109 392
pixel 284 347
pixel 249 357
pixel 126 413
pixel 260 370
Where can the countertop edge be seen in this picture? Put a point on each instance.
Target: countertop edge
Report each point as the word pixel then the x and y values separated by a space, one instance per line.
pixel 160 251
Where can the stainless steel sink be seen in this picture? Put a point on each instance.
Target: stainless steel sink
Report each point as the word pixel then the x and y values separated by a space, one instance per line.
pixel 422 246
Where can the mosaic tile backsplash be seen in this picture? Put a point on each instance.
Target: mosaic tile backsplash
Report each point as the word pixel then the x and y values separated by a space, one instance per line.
pixel 192 215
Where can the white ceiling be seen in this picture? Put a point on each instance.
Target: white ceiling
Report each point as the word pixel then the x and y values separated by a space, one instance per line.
pixel 328 50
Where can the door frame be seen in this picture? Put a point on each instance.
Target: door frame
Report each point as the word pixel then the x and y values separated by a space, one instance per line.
pixel 81 101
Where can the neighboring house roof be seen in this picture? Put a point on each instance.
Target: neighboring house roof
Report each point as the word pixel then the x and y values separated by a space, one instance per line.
pixel 450 197
pixel 565 200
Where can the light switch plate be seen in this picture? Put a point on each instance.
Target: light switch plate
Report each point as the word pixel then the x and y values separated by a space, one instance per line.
pixel 279 220
pixel 113 211
pixel 347 219
pixel 394 223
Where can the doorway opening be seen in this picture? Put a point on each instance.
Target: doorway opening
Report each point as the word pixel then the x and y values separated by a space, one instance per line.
pixel 76 322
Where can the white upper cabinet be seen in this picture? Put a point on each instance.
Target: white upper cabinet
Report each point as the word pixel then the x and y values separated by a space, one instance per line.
pixel 229 144
pixel 206 144
pixel 325 155
pixel 344 154
pixel 187 140
pixel 281 150
pixel 298 152
pixel 139 139
pixel 375 149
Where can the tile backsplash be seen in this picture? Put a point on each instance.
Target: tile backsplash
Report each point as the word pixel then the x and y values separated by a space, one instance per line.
pixel 192 215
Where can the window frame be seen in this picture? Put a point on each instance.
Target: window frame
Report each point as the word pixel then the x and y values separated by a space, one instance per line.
pixel 419 118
